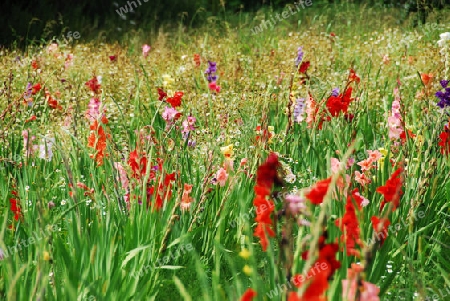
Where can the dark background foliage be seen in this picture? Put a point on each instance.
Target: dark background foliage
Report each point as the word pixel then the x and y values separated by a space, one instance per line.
pixel 25 21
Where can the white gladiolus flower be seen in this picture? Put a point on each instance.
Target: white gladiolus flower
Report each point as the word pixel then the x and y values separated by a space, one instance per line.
pixel 444 37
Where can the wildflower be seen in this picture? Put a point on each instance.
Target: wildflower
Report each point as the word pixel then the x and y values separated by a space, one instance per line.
pixel 52 103
pixel 335 92
pixel 426 78
pixel 248 295
pixel 221 176
pixel 186 200
pixel 188 126
pixel 164 190
pixel 211 72
pixel 93 111
pixel 227 151
pixel 395 120
pixel 113 58
pixel 366 164
pixel 97 140
pixel 340 103
pixel 380 226
pixel 444 142
pixel 175 100
pixel 299 57
pixel 34 64
pixel 68 62
pixel 145 50
pixel 444 97
pixel 123 179
pixel 93 85
pixel 52 48
pixel 245 254
pixel 170 115
pixel 266 177
pixel 197 60
pixel 392 190
pixel 368 290
pixel 35 88
pixel 213 86
pixel 353 76
pixel 318 282
pixel 32 118
pixel 161 94
pixel 318 191
pixel 138 164
pixel 30 148
pixel 349 224
pixel 46 256
pixel 45 149
pixel 296 204
pixel 374 155
pixel 15 208
pixel 299 110
pixel 247 270
pixel 311 111
pixel 304 67
pixel 444 38
pixel 361 178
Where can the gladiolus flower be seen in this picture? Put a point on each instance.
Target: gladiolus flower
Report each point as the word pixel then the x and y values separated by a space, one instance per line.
pixel 392 190
pixel 221 176
pixel 318 191
pixel 145 50
pixel 248 295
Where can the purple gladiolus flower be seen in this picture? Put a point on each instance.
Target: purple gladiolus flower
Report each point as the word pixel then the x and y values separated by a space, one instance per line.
pixel 335 92
pixel 444 96
pixel 299 58
pixel 299 109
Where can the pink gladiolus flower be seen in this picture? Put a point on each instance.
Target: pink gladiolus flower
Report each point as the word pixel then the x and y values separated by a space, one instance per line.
pixel 221 176
pixel 361 178
pixel 374 155
pixel 213 86
pixel 145 50
pixel 366 164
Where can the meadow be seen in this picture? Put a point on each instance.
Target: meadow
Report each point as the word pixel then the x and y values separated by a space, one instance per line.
pixel 307 161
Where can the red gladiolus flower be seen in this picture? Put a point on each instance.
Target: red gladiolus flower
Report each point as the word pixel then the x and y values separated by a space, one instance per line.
pixel 34 64
pixel 353 77
pixel 175 101
pixel 138 164
pixel 164 191
pixel 392 190
pixel 93 85
pixel 161 94
pixel 32 118
pixel 15 208
pixel 266 177
pixel 380 226
pixel 304 67
pixel 97 140
pixel 319 274
pixel 52 103
pixel 35 89
pixel 444 142
pixel 338 104
pixel 197 60
pixel 318 191
pixel 248 295
pixel 349 224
